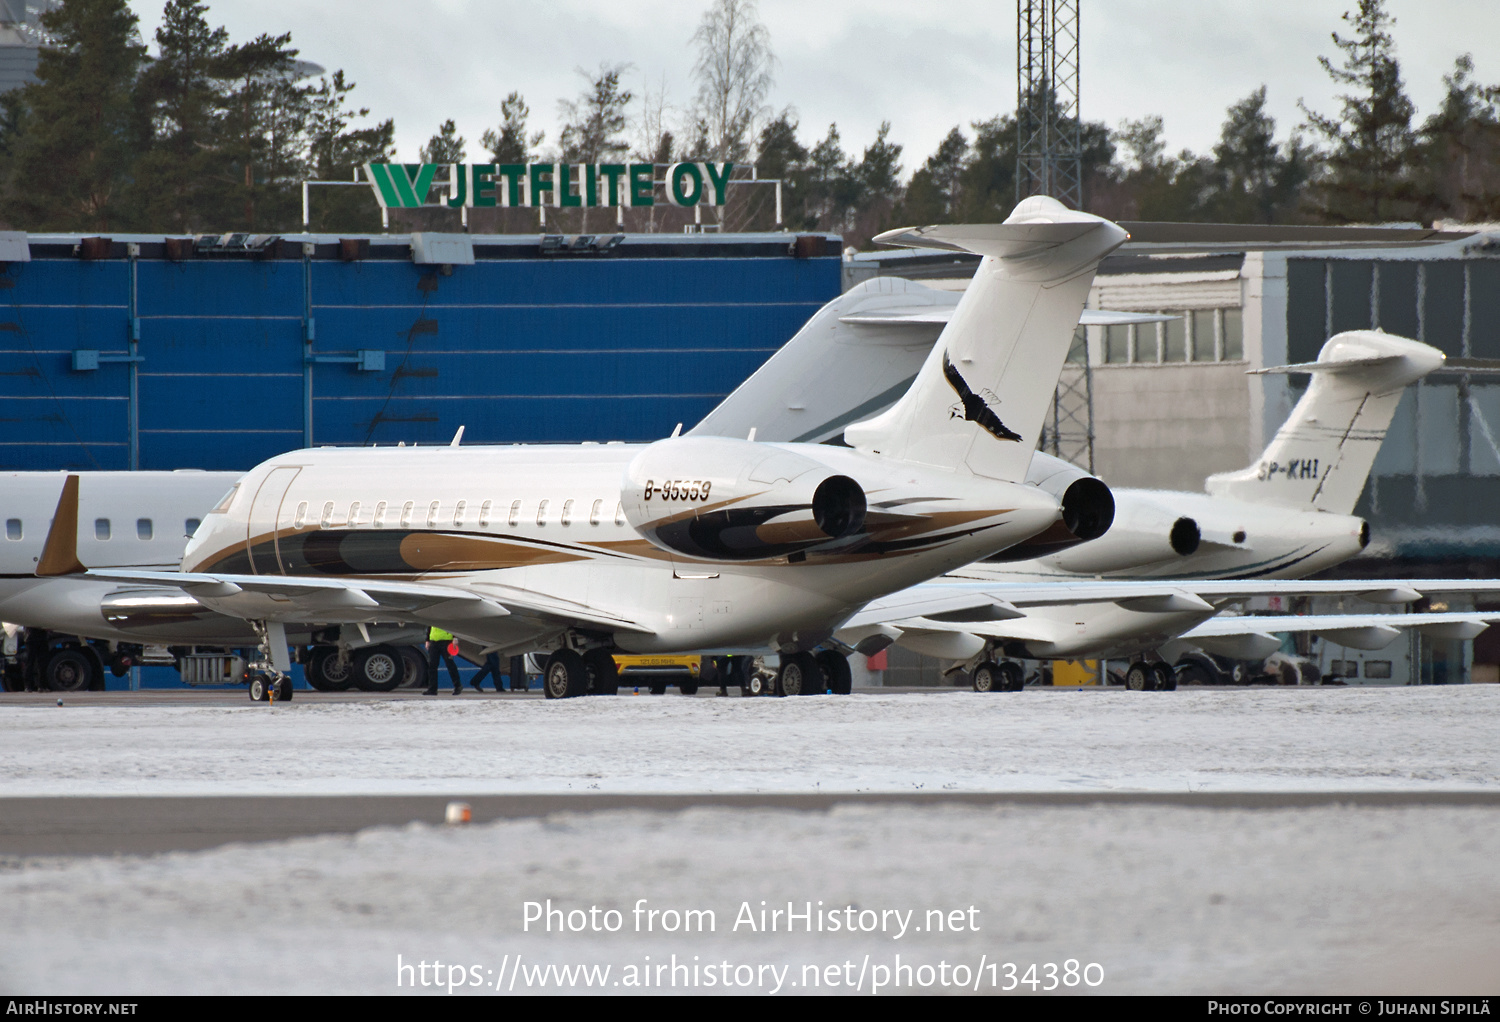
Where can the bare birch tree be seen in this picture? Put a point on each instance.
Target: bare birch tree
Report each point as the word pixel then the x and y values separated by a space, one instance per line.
pixel 734 75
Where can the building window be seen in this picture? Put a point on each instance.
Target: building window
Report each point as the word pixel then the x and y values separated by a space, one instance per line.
pixel 567 512
pixel 13 528
pixel 1234 335
pixel 191 526
pixel 595 511
pixel 484 514
pixel 143 528
pixel 1117 344
pixel 1146 343
pixel 1205 341
pixel 1377 668
pixel 1174 340
pixel 541 513
pixel 101 528
pixel 515 513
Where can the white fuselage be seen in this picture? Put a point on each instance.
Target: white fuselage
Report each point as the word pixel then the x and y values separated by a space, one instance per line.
pixel 554 524
pixel 126 519
pixel 1239 540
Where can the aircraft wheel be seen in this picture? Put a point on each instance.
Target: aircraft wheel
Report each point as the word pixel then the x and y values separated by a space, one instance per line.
pixel 756 686
pixel 987 677
pixel 1014 677
pixel 1197 674
pixel 284 690
pixel 378 669
pixel 604 674
pixel 260 688
pixel 69 670
pixel 836 670
pixel 326 674
pixel 1166 678
pixel 416 666
pixel 1139 677
pixel 800 675
pixel 566 675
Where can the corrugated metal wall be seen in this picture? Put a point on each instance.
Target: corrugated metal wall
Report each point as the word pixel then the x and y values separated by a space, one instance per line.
pixel 1437 478
pixel 516 348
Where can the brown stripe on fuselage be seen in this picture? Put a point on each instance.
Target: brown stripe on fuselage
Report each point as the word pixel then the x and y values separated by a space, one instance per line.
pixel 438 551
pixel 932 522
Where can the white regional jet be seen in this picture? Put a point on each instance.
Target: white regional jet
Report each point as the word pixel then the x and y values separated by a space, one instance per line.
pixel 690 543
pixel 1286 517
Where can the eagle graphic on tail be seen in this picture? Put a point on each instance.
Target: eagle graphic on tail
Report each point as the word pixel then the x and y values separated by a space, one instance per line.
pixel 974 408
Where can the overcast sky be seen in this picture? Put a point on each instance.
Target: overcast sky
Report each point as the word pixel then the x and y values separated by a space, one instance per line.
pixel 923 66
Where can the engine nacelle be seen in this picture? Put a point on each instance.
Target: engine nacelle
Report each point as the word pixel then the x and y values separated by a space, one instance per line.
pixel 1088 509
pixel 736 500
pixel 1143 533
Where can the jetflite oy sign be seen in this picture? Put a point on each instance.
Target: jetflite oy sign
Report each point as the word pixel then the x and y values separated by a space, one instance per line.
pixel 560 185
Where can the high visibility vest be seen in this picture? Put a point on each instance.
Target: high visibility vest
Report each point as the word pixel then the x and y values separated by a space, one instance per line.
pixel 438 635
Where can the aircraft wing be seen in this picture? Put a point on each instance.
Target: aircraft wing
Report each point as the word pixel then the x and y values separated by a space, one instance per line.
pixel 352 601
pixel 921 315
pixel 1040 592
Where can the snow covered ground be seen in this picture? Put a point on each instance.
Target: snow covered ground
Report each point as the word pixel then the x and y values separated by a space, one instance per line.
pixel 1165 900
pixel 1161 899
pixel 1436 738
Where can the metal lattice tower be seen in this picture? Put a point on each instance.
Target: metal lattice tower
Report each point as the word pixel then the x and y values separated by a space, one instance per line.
pixel 1048 135
pixel 1049 150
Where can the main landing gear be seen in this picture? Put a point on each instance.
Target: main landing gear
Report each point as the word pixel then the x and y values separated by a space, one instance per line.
pixel 808 674
pixel 569 674
pixel 990 676
pixel 1157 676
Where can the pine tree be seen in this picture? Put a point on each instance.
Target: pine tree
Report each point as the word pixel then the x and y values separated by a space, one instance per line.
pixel 1367 170
pixel 511 144
pixel 932 195
pixel 447 146
pixel 79 127
pixel 1257 180
pixel 1458 158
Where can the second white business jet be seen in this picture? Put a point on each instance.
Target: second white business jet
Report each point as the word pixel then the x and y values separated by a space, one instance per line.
pixel 690 543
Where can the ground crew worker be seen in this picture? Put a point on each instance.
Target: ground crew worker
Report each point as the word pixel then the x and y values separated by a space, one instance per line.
pixel 492 668
pixel 437 646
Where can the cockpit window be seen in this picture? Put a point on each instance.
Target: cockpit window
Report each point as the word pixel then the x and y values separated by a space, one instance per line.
pixel 222 507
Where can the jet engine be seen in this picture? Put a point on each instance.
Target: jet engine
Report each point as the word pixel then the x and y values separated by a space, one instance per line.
pixel 1143 532
pixel 1088 509
pixel 736 500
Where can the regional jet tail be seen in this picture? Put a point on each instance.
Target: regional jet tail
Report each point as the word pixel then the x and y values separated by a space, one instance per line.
pixel 1322 455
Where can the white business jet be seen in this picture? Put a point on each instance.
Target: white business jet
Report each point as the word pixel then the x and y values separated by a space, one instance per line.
pixel 1285 517
pixel 691 543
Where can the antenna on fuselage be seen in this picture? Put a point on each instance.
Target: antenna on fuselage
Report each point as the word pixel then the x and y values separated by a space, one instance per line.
pixel 457 437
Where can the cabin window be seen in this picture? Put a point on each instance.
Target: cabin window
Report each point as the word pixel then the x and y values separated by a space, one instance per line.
pixel 301 518
pixel 101 528
pixel 619 514
pixel 379 520
pixel 222 507
pixel 327 522
pixel 458 512
pixel 353 514
pixel 595 511
pixel 484 514
pixel 567 513
pixel 541 513
pixel 515 513
pixel 432 515
pixel 13 528
pixel 406 510
pixel 143 528
pixel 191 526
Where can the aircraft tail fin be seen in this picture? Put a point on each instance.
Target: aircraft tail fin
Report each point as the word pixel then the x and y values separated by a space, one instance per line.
pixel 60 552
pixel 1323 453
pixel 978 403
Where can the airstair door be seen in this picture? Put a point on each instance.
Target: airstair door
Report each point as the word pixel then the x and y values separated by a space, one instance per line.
pixel 267 520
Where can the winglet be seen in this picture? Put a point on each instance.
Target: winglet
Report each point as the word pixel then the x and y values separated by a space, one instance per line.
pixel 60 553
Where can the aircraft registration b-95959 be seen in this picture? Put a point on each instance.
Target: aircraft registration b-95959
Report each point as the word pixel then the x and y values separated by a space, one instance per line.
pixel 690 543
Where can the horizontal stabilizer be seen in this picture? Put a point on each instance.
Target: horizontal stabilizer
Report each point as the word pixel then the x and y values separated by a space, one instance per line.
pixel 931 315
pixel 1003 241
